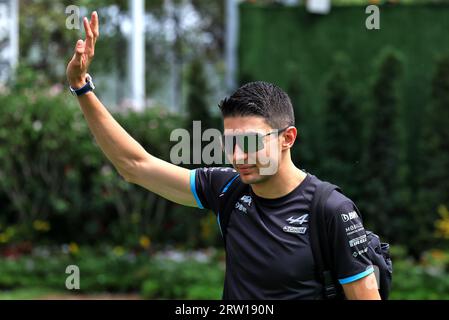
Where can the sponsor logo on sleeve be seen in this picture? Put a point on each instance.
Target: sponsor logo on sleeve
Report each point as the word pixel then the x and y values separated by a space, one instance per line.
pixel 349 216
pixel 355 228
pixel 357 253
pixel 357 241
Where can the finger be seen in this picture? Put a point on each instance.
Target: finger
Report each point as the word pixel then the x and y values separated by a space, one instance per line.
pixel 79 51
pixel 87 28
pixel 89 45
pixel 94 25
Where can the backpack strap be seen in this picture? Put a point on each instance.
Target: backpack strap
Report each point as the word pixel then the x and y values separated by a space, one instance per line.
pixel 319 240
pixel 230 193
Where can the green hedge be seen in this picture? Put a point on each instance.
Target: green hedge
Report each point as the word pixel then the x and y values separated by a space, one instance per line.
pixel 426 280
pixel 287 44
pixel 179 274
pixel 172 275
pixel 384 96
pixel 56 185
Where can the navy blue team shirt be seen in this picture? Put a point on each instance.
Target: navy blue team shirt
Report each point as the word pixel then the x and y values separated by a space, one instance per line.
pixel 268 253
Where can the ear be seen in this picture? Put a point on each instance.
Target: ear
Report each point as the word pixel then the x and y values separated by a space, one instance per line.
pixel 289 137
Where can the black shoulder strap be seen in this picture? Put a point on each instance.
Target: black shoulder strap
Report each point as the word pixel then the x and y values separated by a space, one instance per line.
pixel 229 195
pixel 319 240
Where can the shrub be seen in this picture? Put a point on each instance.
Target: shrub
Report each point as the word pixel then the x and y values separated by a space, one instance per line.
pixel 59 187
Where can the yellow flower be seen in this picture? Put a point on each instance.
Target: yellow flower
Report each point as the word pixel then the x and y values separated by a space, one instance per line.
pixel 118 251
pixel 73 248
pixel 41 225
pixel 145 242
pixel 437 255
pixel 442 225
pixel 443 211
pixel 4 238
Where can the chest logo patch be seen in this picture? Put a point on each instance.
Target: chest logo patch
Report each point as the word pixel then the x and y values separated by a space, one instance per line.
pixel 296 221
pixel 290 229
pixel 299 220
pixel 247 200
pixel 244 202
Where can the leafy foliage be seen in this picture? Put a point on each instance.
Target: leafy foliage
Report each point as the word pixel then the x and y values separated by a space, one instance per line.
pixel 370 105
pixel 177 275
pixel 381 163
pixel 59 187
pixel 342 131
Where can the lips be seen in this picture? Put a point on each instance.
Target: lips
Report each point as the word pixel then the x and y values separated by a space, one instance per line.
pixel 245 168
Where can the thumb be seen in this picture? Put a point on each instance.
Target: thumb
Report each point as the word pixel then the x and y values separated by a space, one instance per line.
pixel 79 50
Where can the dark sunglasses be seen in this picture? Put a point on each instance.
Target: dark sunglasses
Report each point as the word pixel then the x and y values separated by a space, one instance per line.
pixel 248 142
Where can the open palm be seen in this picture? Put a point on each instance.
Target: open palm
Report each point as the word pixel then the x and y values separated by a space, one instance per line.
pixel 84 53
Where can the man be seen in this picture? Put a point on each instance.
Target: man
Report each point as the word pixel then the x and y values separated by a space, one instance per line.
pixel 266 258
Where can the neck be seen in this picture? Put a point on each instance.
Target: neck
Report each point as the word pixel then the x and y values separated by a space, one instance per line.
pixel 282 183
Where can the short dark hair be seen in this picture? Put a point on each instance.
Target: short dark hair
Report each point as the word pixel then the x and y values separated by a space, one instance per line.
pixel 260 99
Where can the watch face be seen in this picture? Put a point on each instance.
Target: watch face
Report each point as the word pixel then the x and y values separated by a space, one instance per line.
pixel 89 80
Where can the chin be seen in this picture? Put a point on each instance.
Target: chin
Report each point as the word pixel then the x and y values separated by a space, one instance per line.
pixel 252 178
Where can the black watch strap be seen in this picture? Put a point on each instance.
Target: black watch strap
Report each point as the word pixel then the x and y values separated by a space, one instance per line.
pixel 89 86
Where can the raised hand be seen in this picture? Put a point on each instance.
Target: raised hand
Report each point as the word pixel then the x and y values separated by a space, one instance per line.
pixel 84 53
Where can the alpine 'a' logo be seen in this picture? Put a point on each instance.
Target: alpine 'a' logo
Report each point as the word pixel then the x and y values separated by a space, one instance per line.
pixel 300 220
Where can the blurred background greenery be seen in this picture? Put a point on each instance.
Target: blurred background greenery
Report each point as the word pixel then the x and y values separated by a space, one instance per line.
pixel 372 112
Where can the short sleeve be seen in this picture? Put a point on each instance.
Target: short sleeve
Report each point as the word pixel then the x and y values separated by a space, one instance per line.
pixel 207 184
pixel 348 240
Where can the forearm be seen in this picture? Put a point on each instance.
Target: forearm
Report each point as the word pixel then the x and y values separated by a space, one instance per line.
pixel 119 147
pixel 126 154
pixel 363 289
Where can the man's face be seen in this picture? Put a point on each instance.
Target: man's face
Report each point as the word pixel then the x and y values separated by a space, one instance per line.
pixel 261 158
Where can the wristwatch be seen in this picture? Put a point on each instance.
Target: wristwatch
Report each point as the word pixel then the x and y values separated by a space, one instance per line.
pixel 89 86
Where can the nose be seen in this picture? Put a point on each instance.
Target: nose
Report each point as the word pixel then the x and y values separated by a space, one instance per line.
pixel 239 156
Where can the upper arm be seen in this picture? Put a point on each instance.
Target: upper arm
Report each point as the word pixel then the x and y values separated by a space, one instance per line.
pixel 362 289
pixel 163 178
pixel 195 188
pixel 349 246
